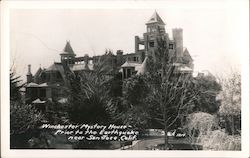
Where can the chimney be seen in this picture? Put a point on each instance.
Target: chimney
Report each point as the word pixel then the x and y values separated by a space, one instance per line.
pixel 86 59
pixel 29 74
pixel 29 69
pixel 136 44
pixel 86 62
pixel 178 39
pixel 119 57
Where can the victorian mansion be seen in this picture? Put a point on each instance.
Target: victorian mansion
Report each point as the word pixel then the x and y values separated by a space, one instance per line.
pixel 42 85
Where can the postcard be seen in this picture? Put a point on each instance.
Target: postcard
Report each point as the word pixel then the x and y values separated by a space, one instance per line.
pixel 96 78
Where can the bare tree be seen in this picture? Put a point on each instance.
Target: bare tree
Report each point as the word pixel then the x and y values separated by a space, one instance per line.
pixel 169 101
pixel 173 93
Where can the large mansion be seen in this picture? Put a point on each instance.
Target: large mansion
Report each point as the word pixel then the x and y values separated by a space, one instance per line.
pixel 41 86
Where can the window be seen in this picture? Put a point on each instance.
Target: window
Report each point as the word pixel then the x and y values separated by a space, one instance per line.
pixel 141 47
pixel 42 93
pixel 124 73
pixel 151 44
pixel 58 75
pixel 129 73
pixel 171 46
pixel 47 77
pixel 148 29
pixel 135 59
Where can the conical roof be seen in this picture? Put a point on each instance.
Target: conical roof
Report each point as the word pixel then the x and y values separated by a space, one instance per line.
pixel 155 18
pixel 68 49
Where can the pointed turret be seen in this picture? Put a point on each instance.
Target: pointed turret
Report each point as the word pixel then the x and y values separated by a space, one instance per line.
pixel 155 18
pixel 155 24
pixel 68 55
pixel 68 49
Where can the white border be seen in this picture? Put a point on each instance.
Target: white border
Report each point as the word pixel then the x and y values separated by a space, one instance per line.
pixel 6 152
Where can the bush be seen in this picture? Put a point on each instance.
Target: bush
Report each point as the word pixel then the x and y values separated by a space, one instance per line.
pixel 220 140
pixel 203 122
pixel 204 130
pixel 24 120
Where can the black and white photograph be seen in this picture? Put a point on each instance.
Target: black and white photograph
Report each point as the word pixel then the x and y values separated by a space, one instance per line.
pixel 166 76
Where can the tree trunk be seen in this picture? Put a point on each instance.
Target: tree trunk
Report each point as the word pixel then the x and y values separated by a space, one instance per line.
pixel 166 137
pixel 232 125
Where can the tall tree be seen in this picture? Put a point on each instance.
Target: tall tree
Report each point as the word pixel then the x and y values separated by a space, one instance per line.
pixel 230 96
pixel 173 93
pixel 169 100
pixel 206 100
pixel 132 109
pixel 162 95
pixel 24 119
pixel 90 93
pixel 16 86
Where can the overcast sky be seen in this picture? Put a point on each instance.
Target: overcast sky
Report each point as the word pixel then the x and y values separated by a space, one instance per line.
pixel 215 35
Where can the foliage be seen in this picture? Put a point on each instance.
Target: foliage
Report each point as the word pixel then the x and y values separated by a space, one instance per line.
pixel 56 112
pixel 230 110
pixel 200 123
pixel 15 86
pixel 172 93
pixel 23 120
pixel 204 129
pixel 220 140
pixel 135 90
pixel 220 131
pixel 161 95
pixel 208 89
pixel 132 108
pixel 231 94
pixel 90 94
pixel 23 117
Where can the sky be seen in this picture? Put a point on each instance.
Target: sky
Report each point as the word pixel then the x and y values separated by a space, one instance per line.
pixel 214 33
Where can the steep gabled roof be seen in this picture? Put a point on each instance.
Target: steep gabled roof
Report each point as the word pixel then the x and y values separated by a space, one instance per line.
pixel 68 49
pixel 155 18
pixel 54 67
pixel 186 55
pixel 38 72
pixel 143 68
pixel 57 67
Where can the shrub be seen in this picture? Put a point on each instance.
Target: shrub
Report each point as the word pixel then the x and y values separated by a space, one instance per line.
pixel 24 120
